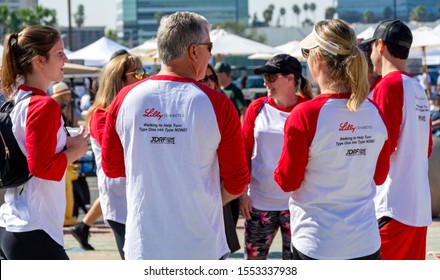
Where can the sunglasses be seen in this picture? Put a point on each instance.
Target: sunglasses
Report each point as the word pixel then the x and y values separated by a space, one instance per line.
pixel 139 73
pixel 271 77
pixel 305 53
pixel 212 77
pixel 207 44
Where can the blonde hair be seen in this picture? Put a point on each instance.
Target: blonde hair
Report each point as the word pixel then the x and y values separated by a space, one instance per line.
pixel 343 69
pixel 112 80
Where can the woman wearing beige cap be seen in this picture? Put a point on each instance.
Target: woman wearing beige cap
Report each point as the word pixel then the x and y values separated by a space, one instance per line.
pixel 31 219
pixel 335 151
pixel 63 95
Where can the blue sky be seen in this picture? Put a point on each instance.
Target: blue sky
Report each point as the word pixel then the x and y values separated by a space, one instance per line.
pixel 99 12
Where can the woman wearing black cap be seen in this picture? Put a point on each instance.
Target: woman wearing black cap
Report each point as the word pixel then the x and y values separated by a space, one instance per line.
pixel 265 206
pixel 334 151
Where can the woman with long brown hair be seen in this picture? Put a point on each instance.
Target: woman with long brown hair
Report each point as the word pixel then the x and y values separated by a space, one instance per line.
pixel 31 219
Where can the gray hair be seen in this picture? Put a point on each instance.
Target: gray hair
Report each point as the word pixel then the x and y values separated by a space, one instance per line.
pixel 177 32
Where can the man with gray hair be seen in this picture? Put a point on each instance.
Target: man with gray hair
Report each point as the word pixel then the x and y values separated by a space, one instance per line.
pixel 175 140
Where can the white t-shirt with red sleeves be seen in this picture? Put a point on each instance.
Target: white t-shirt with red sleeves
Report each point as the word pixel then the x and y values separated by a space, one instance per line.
pixel 405 196
pixel 38 128
pixel 112 192
pixel 263 134
pixel 174 138
pixel 329 159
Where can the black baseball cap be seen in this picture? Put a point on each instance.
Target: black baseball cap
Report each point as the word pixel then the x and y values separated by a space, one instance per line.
pixel 393 32
pixel 281 63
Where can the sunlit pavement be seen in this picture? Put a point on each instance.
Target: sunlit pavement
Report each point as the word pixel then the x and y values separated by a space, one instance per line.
pixel 105 245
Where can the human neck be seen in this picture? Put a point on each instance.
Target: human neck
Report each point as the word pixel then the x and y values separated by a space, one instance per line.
pixel 393 64
pixel 179 67
pixel 286 101
pixel 37 81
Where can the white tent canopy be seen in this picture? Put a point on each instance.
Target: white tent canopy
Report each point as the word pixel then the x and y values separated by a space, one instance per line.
pixel 292 48
pixel 367 33
pixel 73 70
pixel 226 43
pixel 425 45
pixel 97 53
pixel 146 51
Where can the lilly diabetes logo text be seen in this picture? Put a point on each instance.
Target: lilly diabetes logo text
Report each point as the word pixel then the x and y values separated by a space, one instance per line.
pixel 152 113
pixel 347 126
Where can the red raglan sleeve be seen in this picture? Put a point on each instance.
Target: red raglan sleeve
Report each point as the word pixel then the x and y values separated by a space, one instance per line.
pixel 383 161
pixel 248 128
pixel 43 121
pixel 299 131
pixel 234 170
pixel 113 163
pixel 388 95
pixel 97 125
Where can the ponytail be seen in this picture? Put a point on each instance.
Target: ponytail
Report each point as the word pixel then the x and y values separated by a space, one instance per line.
pixel 9 71
pixel 304 88
pixel 358 77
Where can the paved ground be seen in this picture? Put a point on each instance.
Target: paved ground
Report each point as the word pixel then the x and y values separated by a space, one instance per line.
pixel 105 246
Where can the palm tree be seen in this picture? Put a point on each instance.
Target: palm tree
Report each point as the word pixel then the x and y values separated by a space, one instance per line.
pixel 368 16
pixel 418 13
pixel 283 15
pixel 296 10
pixel 158 16
pixel 387 12
pixel 330 12
pixel 312 8
pixel 4 18
pixel 268 13
pixel 306 22
pixel 46 16
pixel 305 7
pixel 79 16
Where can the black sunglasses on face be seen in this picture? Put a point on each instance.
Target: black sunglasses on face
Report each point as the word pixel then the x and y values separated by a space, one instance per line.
pixel 271 78
pixel 210 77
pixel 209 45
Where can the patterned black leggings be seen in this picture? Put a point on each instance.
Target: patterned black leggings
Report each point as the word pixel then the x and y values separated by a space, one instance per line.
pixel 261 230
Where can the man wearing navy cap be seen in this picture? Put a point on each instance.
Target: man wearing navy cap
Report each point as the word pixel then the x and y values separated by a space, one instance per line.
pixel 403 202
pixel 229 88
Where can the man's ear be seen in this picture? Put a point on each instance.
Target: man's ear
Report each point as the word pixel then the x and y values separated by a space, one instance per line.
pixel 193 52
pixel 381 45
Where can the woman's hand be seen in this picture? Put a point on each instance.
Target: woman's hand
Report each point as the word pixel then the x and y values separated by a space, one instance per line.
pixel 245 206
pixel 77 146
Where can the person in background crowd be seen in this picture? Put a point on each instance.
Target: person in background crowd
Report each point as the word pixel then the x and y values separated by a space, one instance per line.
pixel 124 69
pixel 265 206
pixel 63 96
pixel 31 219
pixel 174 139
pixel 334 152
pixel 435 114
pixel 211 80
pixel 373 78
pixel 236 96
pixel 425 81
pixel 229 88
pixel 403 202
